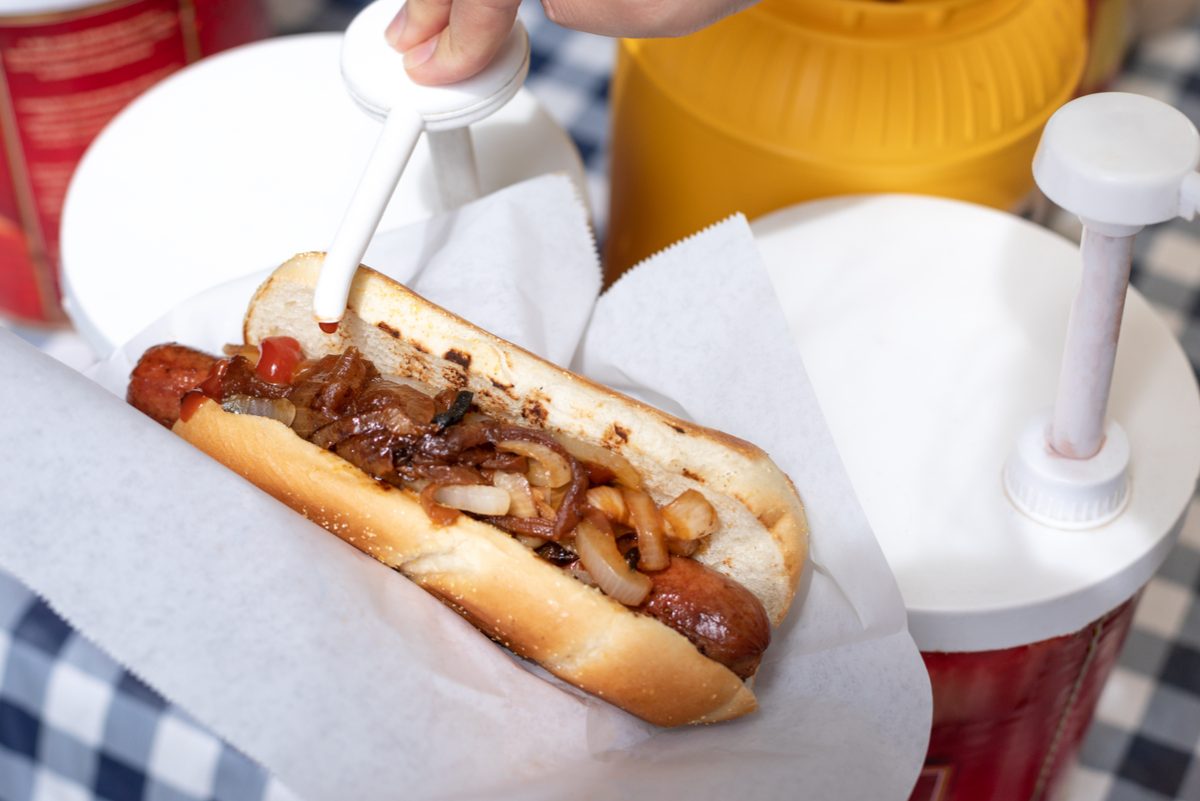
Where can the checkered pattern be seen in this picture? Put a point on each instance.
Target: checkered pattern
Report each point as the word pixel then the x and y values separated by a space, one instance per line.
pixel 73 725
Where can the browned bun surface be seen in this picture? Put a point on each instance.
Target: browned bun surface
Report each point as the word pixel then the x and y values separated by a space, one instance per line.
pixel 529 605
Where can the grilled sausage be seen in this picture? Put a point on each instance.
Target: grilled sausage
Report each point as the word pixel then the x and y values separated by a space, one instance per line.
pixel 163 376
pixel 721 617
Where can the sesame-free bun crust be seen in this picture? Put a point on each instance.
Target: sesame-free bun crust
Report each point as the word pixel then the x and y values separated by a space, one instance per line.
pixel 532 607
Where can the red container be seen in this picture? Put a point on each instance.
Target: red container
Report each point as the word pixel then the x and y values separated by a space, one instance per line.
pixel 932 342
pixel 1006 723
pixel 66 68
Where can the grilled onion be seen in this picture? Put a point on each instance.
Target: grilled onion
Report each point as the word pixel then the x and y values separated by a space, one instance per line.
pixel 611 502
pixel 548 468
pixel 682 547
pixel 420 386
pixel 247 352
pixel 690 516
pixel 625 473
pixel 651 534
pixel 479 499
pixel 521 497
pixel 280 409
pixel 600 558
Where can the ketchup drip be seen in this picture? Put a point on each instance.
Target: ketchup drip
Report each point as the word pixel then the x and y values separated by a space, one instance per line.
pixel 328 328
pixel 191 402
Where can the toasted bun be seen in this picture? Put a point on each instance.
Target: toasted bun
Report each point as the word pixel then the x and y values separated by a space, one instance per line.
pixel 535 609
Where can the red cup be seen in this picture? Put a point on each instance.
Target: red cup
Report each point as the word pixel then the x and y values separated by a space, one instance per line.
pixel 1007 723
pixel 66 69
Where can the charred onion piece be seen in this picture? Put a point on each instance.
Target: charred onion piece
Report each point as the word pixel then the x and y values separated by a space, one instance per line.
pixel 556 554
pixel 530 526
pixel 447 445
pixel 453 415
pixel 383 393
pixel 330 384
pixel 598 553
pixel 570 508
pixel 390 419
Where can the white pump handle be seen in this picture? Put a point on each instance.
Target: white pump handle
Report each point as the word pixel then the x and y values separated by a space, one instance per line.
pixel 1120 162
pixel 376 79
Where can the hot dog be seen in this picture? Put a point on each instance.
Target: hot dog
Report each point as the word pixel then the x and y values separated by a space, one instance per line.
pixel 639 557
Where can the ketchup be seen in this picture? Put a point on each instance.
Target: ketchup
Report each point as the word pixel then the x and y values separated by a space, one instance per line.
pixel 278 359
pixel 211 386
pixel 328 328
pixel 190 403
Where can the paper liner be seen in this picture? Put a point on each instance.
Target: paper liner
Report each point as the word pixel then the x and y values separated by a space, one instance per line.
pixel 347 681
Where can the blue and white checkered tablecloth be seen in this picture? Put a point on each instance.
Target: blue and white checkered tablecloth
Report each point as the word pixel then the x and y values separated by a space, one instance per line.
pixel 74 725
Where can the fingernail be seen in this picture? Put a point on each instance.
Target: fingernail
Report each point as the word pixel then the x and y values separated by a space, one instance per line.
pixel 395 28
pixel 416 56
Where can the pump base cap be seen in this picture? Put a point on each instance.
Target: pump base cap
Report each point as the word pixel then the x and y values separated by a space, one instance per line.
pixel 1068 493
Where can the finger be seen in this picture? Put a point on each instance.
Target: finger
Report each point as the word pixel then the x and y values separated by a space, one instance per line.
pixel 640 18
pixel 476 30
pixel 418 21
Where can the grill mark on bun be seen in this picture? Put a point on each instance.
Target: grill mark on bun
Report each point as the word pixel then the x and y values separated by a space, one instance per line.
pixel 454 377
pixel 458 357
pixel 387 329
pixel 616 436
pixel 534 408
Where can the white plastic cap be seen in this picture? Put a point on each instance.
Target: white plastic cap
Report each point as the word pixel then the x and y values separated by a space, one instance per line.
pixel 1068 493
pixel 375 75
pixel 1119 161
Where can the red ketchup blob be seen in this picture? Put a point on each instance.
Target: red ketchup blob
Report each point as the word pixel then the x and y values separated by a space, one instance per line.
pixel 211 386
pixel 190 403
pixel 278 359
pixel 329 328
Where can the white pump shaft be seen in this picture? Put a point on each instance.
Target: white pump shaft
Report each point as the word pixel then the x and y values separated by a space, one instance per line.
pixel 1120 162
pixel 376 79
pixel 389 158
pixel 1091 347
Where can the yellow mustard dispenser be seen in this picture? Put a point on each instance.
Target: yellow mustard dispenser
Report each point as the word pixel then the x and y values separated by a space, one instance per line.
pixel 792 100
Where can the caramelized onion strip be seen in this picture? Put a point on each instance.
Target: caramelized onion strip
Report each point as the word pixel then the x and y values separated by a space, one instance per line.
pixel 598 555
pixel 520 495
pixel 651 533
pixel 548 468
pixel 622 470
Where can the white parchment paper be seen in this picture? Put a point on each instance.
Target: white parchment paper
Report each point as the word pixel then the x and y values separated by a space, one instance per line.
pixel 347 681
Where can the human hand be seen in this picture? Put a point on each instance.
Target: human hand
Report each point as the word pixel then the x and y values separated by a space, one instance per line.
pixel 445 41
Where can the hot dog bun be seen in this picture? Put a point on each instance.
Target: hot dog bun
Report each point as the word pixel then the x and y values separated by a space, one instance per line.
pixel 532 607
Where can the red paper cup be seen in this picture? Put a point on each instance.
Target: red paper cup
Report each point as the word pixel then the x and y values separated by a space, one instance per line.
pixel 1007 723
pixel 66 69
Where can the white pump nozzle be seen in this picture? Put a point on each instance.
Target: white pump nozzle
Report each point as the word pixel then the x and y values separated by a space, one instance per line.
pixel 376 79
pixel 1120 162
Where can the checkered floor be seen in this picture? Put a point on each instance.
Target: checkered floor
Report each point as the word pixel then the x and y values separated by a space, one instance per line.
pixel 73 725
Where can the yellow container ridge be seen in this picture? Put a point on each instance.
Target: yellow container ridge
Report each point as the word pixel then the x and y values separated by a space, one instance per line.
pixel 792 100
